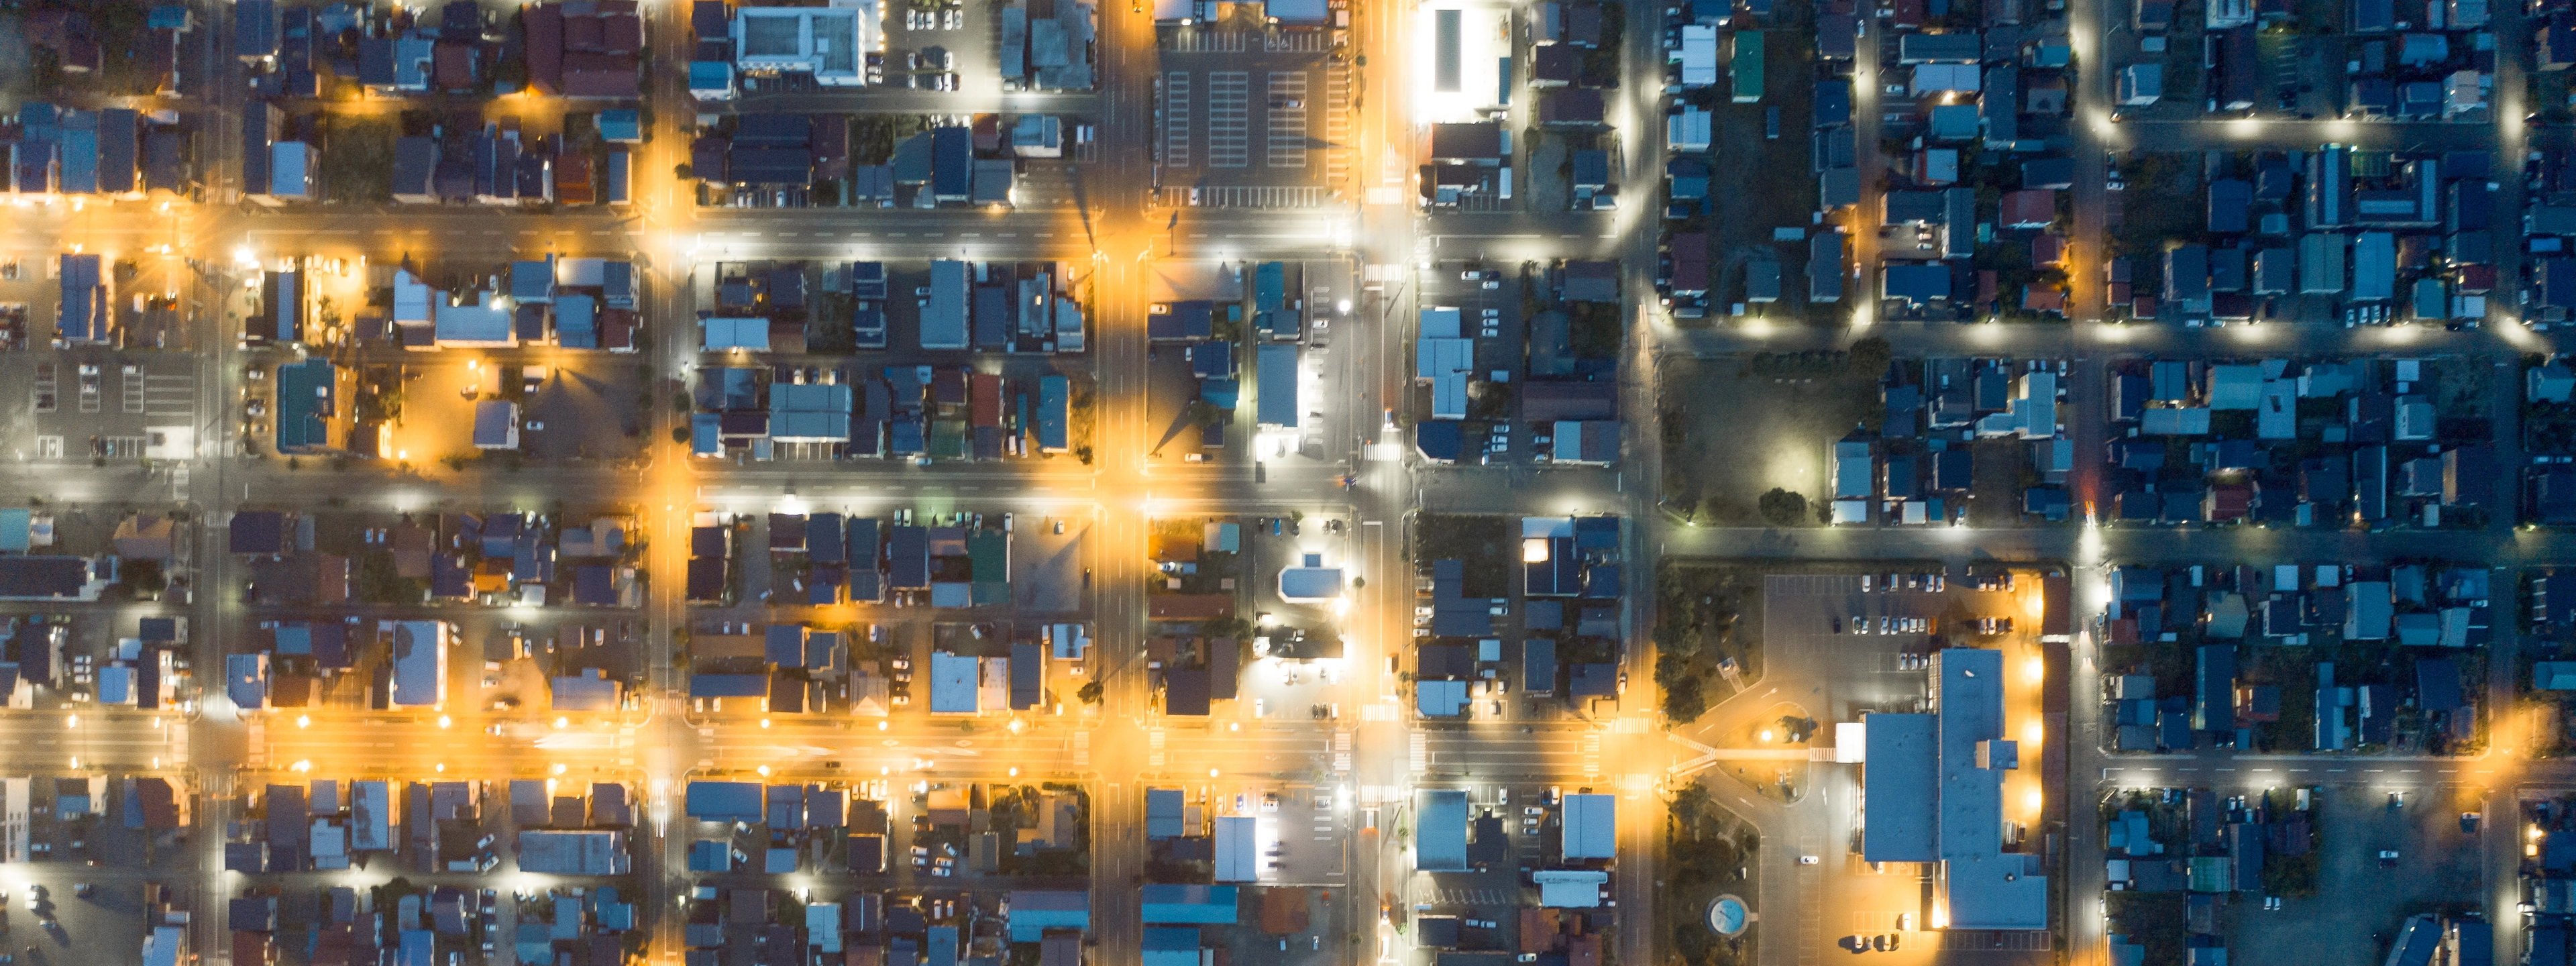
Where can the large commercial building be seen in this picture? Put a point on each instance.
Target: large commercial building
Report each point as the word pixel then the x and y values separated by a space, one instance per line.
pixel 1934 794
pixel 831 43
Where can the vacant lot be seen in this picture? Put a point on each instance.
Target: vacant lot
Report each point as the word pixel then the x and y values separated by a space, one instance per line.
pixel 1737 427
pixel 2436 869
pixel 2146 225
pixel 1486 545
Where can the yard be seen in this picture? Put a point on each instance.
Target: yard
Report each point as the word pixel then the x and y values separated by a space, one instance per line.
pixel 1737 427
pixel 1759 184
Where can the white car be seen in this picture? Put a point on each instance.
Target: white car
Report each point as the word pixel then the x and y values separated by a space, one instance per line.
pixel 1808 860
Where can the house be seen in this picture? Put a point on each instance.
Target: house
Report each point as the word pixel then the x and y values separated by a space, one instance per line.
pixel 496 425
pixel 2029 208
pixel 1570 107
pixel 84 314
pixel 2552 382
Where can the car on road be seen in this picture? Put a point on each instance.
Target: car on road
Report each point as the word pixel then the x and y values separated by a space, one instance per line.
pixel 1809 860
pixel 2388 858
pixel 2469 822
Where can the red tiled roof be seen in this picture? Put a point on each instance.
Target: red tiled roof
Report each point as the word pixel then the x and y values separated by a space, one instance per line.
pixel 599 75
pixel 452 66
pixel 545 28
pixel 2047 250
pixel 582 34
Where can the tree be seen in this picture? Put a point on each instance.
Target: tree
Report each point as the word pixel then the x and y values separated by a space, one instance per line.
pixel 1089 693
pixel 1782 508
pixel 680 435
pixel 1869 357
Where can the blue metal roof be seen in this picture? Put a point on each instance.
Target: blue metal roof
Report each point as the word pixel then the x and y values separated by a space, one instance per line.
pixel 1188 904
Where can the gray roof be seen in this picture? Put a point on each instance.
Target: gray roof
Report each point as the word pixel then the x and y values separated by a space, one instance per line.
pixel 943 321
pixel 1441 845
pixel 1591 829
pixel 1903 802
pixel 1277 401
pixel 1988 888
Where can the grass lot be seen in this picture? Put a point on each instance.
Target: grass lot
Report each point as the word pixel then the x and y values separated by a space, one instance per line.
pixel 2001 472
pixel 2152 919
pixel 358 160
pixel 2144 227
pixel 1486 544
pixel 1735 428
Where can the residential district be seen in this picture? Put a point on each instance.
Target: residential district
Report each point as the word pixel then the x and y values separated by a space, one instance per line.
pixel 905 483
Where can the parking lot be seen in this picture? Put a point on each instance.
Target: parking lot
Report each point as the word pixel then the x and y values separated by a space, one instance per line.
pixel 59 908
pixel 1247 119
pixel 572 406
pixel 73 404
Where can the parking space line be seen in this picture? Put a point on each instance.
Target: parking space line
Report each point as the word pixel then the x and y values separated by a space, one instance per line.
pixel 1284 141
pixel 1176 119
pixel 1229 92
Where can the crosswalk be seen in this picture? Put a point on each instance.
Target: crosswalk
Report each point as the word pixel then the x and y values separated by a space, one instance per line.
pixel 1155 755
pixel 132 386
pixel 1082 747
pixel 1468 897
pixel 1340 136
pixel 1239 197
pixel 1421 752
pixel 1342 752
